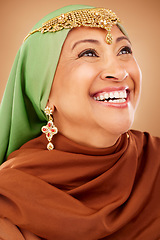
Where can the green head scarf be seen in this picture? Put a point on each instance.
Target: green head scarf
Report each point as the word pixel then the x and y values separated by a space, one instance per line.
pixel 27 91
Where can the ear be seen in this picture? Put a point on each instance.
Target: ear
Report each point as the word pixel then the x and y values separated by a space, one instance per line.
pixel 50 104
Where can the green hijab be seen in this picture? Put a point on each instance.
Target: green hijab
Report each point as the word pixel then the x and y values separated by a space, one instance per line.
pixel 27 91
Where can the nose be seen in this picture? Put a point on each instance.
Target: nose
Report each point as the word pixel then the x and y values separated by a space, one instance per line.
pixel 113 71
pixel 118 78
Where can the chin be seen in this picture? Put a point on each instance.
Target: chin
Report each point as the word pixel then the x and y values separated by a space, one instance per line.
pixel 118 126
pixel 122 127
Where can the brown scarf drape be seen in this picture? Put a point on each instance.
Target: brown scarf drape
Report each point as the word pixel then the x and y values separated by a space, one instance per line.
pixel 81 193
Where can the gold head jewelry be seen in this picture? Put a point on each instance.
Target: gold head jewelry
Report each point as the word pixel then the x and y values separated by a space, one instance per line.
pixel 95 17
pixel 50 128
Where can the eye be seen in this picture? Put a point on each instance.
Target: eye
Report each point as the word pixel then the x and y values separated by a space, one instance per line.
pixel 88 53
pixel 125 50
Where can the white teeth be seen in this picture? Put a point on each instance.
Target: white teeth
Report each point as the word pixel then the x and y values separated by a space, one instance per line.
pixel 117 100
pixel 111 94
pixel 98 98
pixel 106 95
pixel 122 100
pixel 116 96
pixel 122 94
pixel 101 97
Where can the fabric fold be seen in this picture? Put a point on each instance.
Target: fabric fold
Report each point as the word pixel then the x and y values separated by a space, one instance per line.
pixel 72 195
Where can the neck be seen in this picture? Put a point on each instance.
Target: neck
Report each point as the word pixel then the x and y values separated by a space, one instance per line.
pixel 90 137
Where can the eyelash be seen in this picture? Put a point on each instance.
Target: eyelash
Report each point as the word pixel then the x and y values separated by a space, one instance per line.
pixel 92 53
pixel 125 50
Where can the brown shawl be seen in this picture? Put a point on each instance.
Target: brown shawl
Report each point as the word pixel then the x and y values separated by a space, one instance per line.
pixel 81 193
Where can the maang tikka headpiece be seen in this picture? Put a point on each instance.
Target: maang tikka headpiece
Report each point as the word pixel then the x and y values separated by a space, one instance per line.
pixel 95 17
pixel 50 128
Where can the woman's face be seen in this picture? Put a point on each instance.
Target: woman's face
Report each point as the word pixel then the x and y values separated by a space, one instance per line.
pixel 96 87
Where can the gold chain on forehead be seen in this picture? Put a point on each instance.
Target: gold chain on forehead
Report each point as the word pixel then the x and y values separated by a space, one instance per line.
pixel 95 17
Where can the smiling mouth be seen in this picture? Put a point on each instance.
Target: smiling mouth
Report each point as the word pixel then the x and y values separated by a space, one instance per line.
pixel 119 96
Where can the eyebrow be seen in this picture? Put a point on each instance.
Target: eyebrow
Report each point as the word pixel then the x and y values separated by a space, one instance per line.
pixel 122 38
pixel 86 40
pixel 97 42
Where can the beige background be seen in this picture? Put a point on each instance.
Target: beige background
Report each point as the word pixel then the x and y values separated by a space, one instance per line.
pixel 141 18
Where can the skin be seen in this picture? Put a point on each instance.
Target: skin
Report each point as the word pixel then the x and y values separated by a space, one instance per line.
pixel 86 67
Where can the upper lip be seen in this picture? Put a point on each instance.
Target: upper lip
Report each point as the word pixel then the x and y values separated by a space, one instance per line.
pixel 111 89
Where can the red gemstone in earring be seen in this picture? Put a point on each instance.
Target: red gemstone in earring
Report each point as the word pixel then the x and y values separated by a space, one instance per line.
pixel 44 129
pixel 49 129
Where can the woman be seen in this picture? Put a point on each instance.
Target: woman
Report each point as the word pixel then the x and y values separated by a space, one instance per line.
pixel 102 180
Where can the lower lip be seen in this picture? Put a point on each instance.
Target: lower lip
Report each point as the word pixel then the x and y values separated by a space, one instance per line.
pixel 115 105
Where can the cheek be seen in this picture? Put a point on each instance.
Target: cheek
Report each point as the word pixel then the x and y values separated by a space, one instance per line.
pixel 136 75
pixel 138 81
pixel 78 78
pixel 72 84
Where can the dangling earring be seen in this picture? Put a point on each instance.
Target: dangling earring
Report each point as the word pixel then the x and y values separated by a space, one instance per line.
pixel 50 128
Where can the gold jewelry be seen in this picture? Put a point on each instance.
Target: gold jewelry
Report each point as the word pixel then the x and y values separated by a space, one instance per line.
pixel 95 17
pixel 50 128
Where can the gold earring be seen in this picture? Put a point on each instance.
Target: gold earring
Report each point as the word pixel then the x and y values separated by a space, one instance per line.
pixel 50 128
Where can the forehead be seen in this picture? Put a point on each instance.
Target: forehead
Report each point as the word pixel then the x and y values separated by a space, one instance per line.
pixel 81 33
